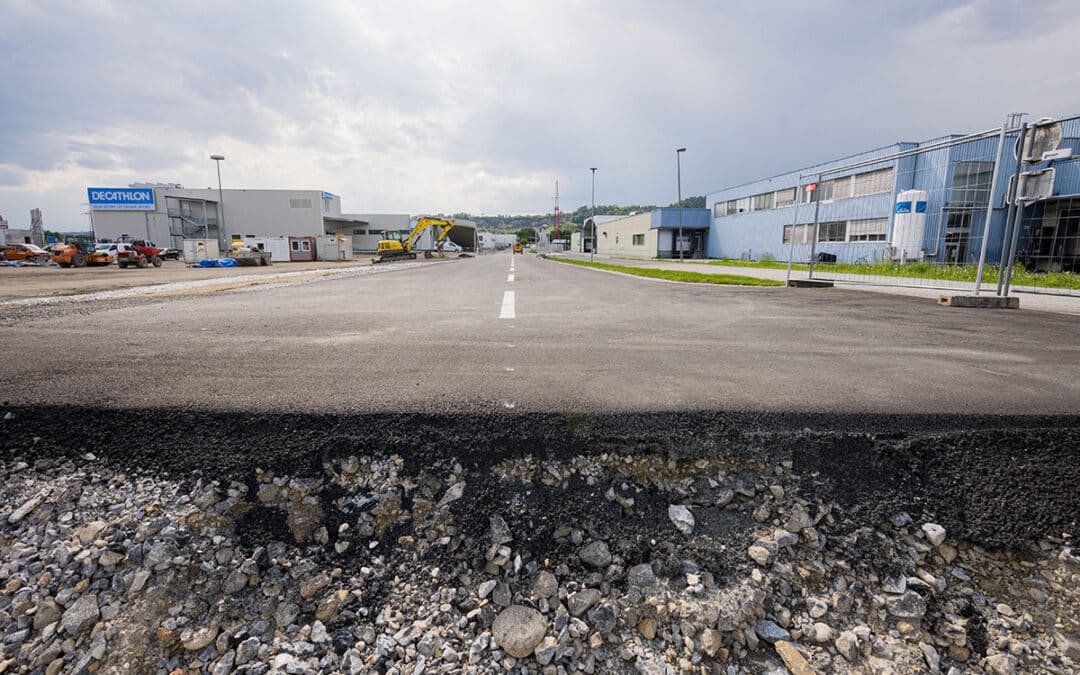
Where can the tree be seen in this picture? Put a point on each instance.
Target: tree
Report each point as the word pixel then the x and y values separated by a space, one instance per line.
pixel 526 235
pixel 691 203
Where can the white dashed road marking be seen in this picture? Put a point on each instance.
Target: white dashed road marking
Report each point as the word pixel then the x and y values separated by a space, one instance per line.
pixel 510 278
pixel 507 311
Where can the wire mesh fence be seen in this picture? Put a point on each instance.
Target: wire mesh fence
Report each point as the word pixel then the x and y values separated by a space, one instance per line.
pixel 946 214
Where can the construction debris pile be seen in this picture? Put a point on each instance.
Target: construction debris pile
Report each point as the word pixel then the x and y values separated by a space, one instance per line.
pixel 607 562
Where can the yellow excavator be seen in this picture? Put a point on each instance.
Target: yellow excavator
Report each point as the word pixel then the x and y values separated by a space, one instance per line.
pixel 392 249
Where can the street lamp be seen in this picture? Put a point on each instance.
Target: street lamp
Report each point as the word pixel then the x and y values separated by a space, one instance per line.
pixel 221 199
pixel 592 248
pixel 678 174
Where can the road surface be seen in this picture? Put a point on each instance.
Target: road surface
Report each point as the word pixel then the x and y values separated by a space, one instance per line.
pixel 503 332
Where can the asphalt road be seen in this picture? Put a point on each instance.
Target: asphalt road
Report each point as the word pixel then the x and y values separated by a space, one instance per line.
pixel 429 338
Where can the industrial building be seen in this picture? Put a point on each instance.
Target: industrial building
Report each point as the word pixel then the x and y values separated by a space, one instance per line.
pixel 168 213
pixel 650 234
pixel 905 202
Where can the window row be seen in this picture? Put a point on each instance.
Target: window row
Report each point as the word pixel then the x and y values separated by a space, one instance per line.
pixel 872 229
pixel 859 185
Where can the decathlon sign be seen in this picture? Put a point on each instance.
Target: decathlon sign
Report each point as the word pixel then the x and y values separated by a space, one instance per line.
pixel 121 199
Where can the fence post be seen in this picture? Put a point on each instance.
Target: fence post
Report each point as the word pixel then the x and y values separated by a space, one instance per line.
pixel 813 234
pixel 794 224
pixel 1008 240
pixel 990 209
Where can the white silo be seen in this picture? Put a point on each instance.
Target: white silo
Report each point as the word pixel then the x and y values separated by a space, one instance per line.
pixel 909 226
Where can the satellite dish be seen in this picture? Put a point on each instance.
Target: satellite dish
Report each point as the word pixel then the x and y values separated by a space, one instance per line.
pixel 1044 136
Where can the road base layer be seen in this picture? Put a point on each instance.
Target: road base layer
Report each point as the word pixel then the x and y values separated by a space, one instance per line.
pixel 164 541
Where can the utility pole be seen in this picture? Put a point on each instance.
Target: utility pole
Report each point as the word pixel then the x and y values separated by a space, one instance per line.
pixel 678 180
pixel 592 209
pixel 221 200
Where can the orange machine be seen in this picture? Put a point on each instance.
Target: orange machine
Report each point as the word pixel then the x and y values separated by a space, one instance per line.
pixel 26 253
pixel 74 255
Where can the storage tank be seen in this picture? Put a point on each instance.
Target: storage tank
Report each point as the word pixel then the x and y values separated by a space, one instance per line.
pixel 909 226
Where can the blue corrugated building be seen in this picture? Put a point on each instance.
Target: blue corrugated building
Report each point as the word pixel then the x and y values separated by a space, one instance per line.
pixel 866 212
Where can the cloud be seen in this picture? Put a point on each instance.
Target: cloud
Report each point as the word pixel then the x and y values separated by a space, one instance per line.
pixel 480 106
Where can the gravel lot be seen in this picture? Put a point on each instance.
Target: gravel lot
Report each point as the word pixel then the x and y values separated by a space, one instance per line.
pixel 36 282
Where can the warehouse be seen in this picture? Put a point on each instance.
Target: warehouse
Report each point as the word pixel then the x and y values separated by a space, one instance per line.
pixel 651 234
pixel 168 213
pixel 907 202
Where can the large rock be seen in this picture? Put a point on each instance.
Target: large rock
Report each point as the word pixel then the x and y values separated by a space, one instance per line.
pixel 518 630
pixel 641 575
pixel 934 532
pixel 681 517
pixel 910 605
pixel 580 602
pixel 848 645
pixel 595 554
pixel 80 615
pixel 770 632
pixel 793 659
pixel 545 585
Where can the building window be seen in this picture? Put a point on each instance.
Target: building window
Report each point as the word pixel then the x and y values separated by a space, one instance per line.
pixel 295 245
pixel 719 209
pixel 833 231
pixel 639 240
pixel 971 183
pixel 809 196
pixel 732 207
pixel 873 182
pixel 300 203
pixel 742 205
pixel 785 197
pixel 305 245
pixel 873 229
pixel 763 202
pixel 837 188
pixel 802 234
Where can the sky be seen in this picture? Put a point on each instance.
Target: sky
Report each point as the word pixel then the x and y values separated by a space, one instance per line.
pixel 480 106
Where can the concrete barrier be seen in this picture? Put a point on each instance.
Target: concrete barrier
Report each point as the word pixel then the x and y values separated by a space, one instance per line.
pixel 981 301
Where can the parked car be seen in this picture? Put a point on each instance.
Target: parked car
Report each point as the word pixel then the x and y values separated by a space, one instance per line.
pixel 170 254
pixel 26 253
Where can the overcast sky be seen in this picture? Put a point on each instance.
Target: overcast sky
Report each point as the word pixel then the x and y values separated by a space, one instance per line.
pixel 480 106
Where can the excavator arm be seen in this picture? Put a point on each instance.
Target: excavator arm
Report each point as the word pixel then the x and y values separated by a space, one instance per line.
pixel 397 250
pixel 424 223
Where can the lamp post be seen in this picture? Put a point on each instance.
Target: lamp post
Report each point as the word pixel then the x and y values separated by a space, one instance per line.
pixel 592 209
pixel 221 199
pixel 678 180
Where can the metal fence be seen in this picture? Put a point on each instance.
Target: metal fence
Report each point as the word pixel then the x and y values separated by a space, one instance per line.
pixel 947 214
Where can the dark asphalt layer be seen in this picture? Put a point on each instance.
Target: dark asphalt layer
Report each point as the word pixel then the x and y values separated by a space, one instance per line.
pixel 429 339
pixel 883 403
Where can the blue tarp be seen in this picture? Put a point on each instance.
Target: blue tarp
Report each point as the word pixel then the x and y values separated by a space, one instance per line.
pixel 217 262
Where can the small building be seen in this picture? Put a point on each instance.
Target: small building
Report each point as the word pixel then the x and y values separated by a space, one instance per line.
pixel 582 242
pixel 653 234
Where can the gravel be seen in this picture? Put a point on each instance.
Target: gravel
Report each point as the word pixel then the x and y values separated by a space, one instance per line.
pixel 392 557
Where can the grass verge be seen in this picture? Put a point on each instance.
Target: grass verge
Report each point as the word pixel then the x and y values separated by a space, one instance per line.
pixel 676 275
pixel 921 270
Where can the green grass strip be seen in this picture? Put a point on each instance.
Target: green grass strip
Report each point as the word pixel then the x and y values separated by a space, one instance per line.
pixel 921 270
pixel 676 275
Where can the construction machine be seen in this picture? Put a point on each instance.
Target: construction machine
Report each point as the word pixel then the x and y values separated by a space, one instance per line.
pixel 391 249
pixel 76 254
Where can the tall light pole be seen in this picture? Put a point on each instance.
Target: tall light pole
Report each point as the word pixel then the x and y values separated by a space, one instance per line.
pixel 592 209
pixel 678 180
pixel 221 199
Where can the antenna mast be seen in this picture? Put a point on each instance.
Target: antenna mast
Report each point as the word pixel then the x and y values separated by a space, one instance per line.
pixel 557 210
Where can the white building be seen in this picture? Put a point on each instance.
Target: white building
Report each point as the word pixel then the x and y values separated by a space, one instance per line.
pixel 167 213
